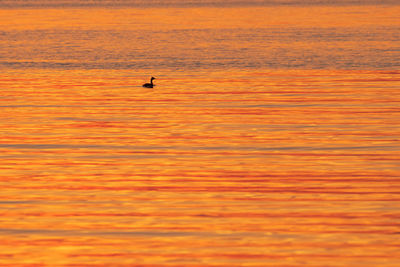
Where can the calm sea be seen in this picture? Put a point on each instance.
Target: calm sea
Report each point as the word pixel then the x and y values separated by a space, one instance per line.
pixel 271 137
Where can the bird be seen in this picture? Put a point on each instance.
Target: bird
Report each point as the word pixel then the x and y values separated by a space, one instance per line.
pixel 149 85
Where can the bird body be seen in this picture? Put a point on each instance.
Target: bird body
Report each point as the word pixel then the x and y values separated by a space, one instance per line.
pixel 149 85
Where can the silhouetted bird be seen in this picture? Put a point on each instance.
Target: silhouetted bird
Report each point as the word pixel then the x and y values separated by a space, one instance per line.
pixel 149 85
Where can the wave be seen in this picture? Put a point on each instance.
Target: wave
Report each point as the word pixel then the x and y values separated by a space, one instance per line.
pixel 185 3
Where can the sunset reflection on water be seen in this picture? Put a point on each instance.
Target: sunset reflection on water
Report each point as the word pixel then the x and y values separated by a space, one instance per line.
pixel 215 166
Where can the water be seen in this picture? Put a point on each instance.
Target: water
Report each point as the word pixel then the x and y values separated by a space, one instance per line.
pixel 197 39
pixel 270 139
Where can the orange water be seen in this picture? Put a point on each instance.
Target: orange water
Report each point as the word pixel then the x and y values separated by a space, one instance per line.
pixel 221 164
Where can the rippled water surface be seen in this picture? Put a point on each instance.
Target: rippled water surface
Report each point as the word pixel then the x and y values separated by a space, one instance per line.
pixel 271 137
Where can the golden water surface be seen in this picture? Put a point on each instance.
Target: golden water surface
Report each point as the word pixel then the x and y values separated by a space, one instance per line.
pixel 229 165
